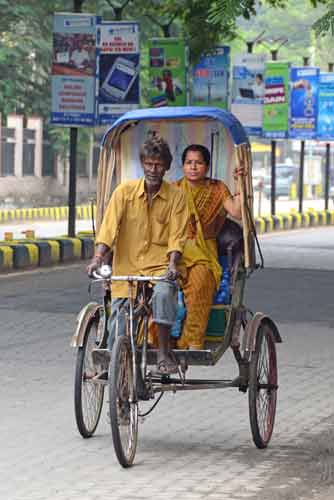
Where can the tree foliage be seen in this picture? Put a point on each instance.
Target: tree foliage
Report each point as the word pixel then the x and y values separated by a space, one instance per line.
pixel 325 24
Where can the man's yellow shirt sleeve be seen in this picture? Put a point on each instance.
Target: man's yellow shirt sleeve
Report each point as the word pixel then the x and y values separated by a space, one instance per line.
pixel 178 224
pixel 112 218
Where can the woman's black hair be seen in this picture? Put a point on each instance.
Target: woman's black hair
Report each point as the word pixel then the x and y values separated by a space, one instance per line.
pixel 198 147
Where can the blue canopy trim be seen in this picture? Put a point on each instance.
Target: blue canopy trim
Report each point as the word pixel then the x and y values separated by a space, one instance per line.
pixel 230 122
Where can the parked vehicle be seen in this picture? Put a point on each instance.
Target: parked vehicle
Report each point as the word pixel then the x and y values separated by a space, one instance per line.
pixel 285 175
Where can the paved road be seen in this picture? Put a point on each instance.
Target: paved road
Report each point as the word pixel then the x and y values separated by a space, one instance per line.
pixel 195 446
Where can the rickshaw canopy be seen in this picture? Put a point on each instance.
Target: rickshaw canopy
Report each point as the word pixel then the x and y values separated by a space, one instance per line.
pixel 229 121
pixel 218 130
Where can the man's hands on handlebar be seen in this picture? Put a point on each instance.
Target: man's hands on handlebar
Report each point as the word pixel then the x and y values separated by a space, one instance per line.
pixel 94 264
pixel 172 272
pixel 102 255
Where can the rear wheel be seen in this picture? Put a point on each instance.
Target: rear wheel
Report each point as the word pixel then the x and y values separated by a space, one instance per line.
pixel 263 387
pixel 88 394
pixel 123 402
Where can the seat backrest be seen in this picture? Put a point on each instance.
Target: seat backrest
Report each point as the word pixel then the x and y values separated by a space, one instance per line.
pixel 230 239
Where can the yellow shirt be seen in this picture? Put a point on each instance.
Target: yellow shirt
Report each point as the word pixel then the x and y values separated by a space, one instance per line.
pixel 140 235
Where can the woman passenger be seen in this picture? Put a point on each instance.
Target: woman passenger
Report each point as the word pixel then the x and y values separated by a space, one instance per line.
pixel 209 202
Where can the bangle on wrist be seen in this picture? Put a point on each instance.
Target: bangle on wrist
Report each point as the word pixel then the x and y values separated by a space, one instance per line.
pixel 98 256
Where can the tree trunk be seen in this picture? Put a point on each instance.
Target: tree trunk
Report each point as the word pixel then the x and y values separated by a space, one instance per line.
pixel 166 30
pixel 118 11
pixel 77 5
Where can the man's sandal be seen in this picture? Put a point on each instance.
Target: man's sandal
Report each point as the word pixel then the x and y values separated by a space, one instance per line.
pixel 167 367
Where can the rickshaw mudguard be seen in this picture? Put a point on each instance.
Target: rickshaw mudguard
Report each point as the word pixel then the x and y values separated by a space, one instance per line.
pixel 249 339
pixel 84 316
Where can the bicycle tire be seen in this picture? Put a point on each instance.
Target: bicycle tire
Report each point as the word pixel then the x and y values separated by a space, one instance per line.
pixel 263 387
pixel 88 396
pixel 123 406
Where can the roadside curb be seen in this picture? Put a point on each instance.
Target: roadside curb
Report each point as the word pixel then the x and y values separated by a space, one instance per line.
pixel 43 252
pixel 294 220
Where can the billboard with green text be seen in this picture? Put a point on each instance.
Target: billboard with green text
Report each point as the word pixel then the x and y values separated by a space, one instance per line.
pixel 276 100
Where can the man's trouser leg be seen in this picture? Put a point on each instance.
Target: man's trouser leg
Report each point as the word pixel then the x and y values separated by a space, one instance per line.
pixel 117 320
pixel 164 303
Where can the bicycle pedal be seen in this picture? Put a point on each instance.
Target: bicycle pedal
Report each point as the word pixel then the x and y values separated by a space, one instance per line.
pixel 102 376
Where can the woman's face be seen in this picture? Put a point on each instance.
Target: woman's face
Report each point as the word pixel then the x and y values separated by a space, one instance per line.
pixel 194 167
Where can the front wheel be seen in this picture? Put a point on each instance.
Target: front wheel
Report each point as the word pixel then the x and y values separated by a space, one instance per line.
pixel 123 406
pixel 263 387
pixel 88 394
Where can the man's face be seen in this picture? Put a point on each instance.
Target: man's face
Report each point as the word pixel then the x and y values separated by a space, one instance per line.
pixel 154 170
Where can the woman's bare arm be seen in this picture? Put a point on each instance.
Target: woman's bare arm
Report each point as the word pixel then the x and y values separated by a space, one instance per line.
pixel 233 206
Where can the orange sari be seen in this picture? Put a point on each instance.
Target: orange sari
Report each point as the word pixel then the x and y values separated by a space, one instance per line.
pixel 207 216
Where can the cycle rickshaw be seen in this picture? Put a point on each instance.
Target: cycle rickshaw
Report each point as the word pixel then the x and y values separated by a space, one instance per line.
pixel 252 337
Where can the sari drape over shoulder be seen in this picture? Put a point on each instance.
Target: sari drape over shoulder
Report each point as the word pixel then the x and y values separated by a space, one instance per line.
pixel 207 216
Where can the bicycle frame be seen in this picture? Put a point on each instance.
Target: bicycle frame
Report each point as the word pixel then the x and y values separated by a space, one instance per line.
pixel 132 280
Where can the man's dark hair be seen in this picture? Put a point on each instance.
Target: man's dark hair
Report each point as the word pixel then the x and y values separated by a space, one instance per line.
pixel 198 147
pixel 259 76
pixel 156 147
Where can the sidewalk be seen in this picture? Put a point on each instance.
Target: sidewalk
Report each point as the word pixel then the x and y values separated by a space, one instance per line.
pixel 42 229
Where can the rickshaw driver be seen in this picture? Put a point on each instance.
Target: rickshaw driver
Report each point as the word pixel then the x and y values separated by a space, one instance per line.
pixel 145 226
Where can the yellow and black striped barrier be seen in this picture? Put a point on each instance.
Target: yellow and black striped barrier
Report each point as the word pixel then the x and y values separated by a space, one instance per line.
pixel 294 220
pixel 27 254
pixel 6 258
pixel 83 212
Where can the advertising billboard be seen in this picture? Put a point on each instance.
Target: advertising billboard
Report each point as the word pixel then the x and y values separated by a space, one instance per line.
pixel 73 70
pixel 304 87
pixel 248 91
pixel 326 107
pixel 210 79
pixel 167 72
pixel 118 69
pixel 276 100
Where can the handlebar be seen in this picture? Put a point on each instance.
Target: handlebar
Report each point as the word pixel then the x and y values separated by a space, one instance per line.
pixel 130 278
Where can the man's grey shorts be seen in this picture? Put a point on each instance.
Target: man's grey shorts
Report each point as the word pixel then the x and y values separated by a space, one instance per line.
pixel 164 307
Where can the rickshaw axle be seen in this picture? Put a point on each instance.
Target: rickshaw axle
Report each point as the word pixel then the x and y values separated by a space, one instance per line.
pixel 174 385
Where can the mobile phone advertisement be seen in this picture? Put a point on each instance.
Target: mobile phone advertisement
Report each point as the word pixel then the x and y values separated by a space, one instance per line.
pixel 304 90
pixel 326 107
pixel 276 100
pixel 118 57
pixel 210 82
pixel 73 70
pixel 167 72
pixel 248 91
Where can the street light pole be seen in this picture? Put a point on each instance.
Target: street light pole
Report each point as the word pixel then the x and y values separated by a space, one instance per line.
pixel 72 181
pixel 251 43
pixel 250 46
pixel 328 156
pixel 301 162
pixel 274 56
